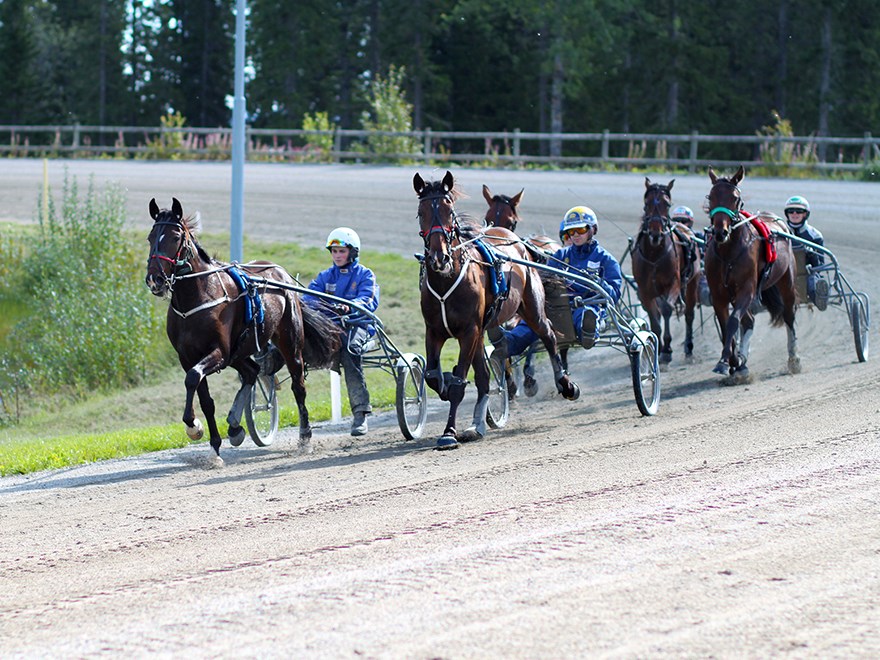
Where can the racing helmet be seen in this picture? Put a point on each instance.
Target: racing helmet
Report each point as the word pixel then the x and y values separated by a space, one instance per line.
pixel 562 230
pixel 683 214
pixel 579 217
pixel 797 203
pixel 345 237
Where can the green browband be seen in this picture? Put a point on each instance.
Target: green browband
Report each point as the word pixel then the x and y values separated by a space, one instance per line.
pixel 723 209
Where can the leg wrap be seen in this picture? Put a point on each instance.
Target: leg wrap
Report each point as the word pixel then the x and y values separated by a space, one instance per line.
pixel 455 388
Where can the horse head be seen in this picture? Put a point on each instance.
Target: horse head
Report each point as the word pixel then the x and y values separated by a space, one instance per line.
pixel 658 200
pixel 438 224
pixel 171 246
pixel 725 203
pixel 502 209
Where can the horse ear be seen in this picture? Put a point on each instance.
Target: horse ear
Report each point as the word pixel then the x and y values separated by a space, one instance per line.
pixel 418 184
pixel 712 177
pixel 647 183
pixel 448 181
pixel 487 194
pixel 740 173
pixel 517 198
pixel 669 187
pixel 154 208
pixel 176 208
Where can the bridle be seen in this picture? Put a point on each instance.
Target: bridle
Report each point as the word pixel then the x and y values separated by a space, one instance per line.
pixel 449 233
pixel 654 208
pixel 180 263
pixel 734 214
pixel 500 200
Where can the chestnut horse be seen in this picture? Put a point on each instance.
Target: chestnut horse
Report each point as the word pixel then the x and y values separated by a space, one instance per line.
pixel 738 270
pixel 663 269
pixel 458 301
pixel 213 324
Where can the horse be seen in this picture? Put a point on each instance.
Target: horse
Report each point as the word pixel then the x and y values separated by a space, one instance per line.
pixel 212 323
pixel 664 268
pixel 503 212
pixel 458 300
pixel 740 265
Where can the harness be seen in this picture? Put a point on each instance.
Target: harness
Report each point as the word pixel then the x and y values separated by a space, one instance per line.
pixel 504 199
pixel 499 283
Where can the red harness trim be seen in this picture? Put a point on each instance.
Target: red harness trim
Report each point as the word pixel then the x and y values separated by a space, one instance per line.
pixel 769 245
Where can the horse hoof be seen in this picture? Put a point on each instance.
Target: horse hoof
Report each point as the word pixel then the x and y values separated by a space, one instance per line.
pixel 665 357
pixel 794 365
pixel 530 385
pixel 305 446
pixel 721 368
pixel 575 393
pixel 741 376
pixel 215 462
pixel 196 431
pixel 445 442
pixel 236 435
pixel 305 434
pixel 469 435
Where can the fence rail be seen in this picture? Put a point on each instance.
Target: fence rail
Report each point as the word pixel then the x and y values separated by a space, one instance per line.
pixel 502 148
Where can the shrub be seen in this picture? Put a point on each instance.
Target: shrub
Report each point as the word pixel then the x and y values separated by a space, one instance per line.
pixel 389 112
pixel 89 316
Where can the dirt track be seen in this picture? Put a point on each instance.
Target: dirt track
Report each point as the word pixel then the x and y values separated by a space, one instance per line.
pixel 740 521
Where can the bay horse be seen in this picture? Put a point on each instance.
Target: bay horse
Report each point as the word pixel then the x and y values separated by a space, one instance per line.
pixel 663 268
pixel 503 212
pixel 458 301
pixel 742 264
pixel 208 322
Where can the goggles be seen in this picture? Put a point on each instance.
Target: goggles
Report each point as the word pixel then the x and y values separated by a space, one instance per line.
pixel 790 211
pixel 336 243
pixel 576 230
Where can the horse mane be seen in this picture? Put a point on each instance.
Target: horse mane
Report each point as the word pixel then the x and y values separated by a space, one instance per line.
pixel 469 226
pixel 662 187
pixel 192 225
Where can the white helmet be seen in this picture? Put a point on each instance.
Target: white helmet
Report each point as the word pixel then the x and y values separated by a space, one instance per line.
pixel 345 237
pixel 684 214
pixel 797 203
pixel 579 217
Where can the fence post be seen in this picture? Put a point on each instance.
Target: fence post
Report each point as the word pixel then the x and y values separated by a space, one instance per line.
pixel 692 157
pixel 516 146
pixel 337 144
pixel 867 157
pixel 427 141
pixel 605 145
pixel 75 144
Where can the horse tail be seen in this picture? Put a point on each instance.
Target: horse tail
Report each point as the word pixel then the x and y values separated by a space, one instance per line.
pixel 322 338
pixel 772 300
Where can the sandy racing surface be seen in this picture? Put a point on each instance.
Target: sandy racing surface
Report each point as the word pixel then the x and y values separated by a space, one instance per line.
pixel 739 521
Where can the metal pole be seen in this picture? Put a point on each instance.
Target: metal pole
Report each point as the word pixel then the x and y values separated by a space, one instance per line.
pixel 236 220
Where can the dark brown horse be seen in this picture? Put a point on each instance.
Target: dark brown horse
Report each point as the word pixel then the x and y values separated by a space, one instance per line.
pixel 739 269
pixel 503 212
pixel 663 267
pixel 457 301
pixel 502 209
pixel 209 327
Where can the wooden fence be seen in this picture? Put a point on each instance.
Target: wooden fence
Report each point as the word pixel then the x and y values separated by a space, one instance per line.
pixel 692 151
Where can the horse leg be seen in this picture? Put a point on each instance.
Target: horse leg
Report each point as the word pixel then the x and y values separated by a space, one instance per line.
pixel 690 304
pixel 433 375
pixel 666 349
pixel 789 301
pixel 247 370
pixel 729 325
pixel 652 307
pixel 195 381
pixel 530 385
pixel 477 430
pixel 532 311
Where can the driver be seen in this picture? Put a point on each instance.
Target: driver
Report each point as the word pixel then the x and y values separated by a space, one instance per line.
pixel 797 212
pixel 350 280
pixel 579 225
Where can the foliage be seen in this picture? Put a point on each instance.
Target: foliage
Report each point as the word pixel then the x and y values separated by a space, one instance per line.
pixel 168 144
pixel 389 111
pixel 774 150
pixel 89 317
pixel 320 143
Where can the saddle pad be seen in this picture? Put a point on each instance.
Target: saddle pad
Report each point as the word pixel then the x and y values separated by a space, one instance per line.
pixel 769 245
pixel 253 304
pixel 499 281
